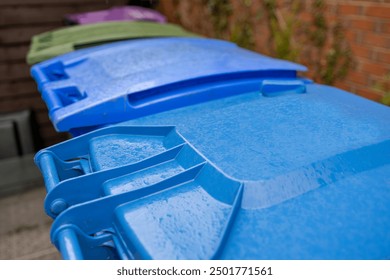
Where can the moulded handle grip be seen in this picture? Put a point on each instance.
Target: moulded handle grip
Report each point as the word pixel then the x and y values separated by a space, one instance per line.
pixel 48 168
pixel 195 90
pixel 272 88
pixel 52 100
pixel 44 73
pixel 69 245
pixel 61 97
pixel 39 76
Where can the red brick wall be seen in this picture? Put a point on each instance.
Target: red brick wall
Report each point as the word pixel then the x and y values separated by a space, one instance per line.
pixel 19 21
pixel 365 24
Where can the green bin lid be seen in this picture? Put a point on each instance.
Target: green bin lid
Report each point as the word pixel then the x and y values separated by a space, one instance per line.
pixel 53 43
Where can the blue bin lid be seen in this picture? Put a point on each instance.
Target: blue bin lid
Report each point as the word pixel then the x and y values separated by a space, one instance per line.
pixel 292 171
pixel 125 80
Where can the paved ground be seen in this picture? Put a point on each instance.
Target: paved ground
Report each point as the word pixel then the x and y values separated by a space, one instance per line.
pixel 25 228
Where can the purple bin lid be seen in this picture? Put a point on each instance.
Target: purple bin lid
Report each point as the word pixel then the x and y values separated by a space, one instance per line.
pixel 130 13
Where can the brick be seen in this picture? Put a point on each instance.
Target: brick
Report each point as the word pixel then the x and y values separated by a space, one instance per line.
pixel 383 56
pixel 361 51
pixel 305 17
pixel 362 24
pixel 349 9
pixel 376 40
pixel 382 84
pixel 351 35
pixel 359 37
pixel 167 7
pixel 369 94
pixel 349 86
pixel 384 26
pixel 331 8
pixel 332 18
pixel 342 85
pixel 357 78
pixel 379 11
pixel 374 68
pixel 345 85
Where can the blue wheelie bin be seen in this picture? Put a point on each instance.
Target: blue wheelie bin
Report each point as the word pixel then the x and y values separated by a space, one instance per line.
pixel 108 84
pixel 284 170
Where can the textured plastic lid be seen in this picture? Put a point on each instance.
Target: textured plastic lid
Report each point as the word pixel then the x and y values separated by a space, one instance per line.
pixel 129 13
pixel 126 80
pixel 53 43
pixel 290 171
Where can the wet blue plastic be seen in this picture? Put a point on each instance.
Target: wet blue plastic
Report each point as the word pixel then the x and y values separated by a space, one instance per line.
pixel 126 80
pixel 290 171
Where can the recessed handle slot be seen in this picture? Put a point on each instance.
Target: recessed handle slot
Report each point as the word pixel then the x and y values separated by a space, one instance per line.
pixel 61 97
pixel 70 95
pixel 55 72
pixel 273 88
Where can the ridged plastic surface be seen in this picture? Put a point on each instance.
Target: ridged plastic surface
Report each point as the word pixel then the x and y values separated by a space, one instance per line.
pixel 289 171
pixel 127 80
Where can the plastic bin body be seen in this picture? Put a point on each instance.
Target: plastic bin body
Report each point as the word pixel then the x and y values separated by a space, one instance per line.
pixel 64 40
pixel 125 13
pixel 287 171
pixel 126 80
